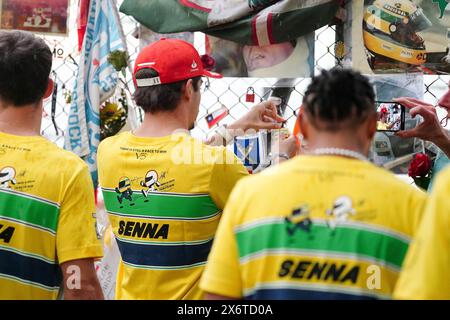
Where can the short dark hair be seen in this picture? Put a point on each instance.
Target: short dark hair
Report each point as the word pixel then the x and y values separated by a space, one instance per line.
pixel 339 97
pixel 163 97
pixel 25 65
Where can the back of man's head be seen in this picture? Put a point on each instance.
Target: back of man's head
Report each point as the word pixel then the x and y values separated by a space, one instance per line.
pixel 163 97
pixel 25 65
pixel 161 72
pixel 339 99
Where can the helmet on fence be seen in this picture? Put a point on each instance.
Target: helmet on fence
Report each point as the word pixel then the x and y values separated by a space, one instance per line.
pixel 390 32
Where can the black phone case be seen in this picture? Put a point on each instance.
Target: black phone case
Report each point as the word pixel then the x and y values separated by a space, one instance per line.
pixel 402 115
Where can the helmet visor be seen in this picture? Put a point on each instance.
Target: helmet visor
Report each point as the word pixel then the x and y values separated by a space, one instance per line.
pixel 405 34
pixel 419 20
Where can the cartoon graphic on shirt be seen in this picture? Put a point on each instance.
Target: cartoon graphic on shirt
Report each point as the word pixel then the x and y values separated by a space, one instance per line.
pixel 299 219
pixel 124 190
pixel 7 177
pixel 150 182
pixel 342 209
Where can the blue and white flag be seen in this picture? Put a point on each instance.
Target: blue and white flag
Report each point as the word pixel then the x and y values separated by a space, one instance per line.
pixel 96 81
pixel 248 150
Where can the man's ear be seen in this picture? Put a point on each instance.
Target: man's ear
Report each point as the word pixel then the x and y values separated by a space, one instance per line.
pixel 303 123
pixel 49 90
pixel 188 89
pixel 372 125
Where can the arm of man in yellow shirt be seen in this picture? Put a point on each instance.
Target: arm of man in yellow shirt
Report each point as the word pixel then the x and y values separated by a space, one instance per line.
pixel 426 270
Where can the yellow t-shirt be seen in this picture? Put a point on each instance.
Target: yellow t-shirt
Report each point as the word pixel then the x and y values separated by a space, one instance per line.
pixel 164 197
pixel 426 272
pixel 46 216
pixel 382 125
pixel 315 227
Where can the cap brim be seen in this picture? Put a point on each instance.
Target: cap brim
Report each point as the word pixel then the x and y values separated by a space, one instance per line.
pixel 211 74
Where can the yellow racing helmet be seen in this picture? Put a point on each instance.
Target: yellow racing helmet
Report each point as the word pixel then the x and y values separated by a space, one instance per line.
pixel 390 31
pixel 124 184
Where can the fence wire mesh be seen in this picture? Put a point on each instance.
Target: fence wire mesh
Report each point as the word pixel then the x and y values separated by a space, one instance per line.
pixel 330 50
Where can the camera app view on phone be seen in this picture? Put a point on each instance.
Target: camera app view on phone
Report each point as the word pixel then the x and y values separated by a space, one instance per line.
pixel 391 116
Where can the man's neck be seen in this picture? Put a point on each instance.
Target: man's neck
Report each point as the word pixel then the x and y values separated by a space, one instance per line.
pixel 338 142
pixel 21 121
pixel 161 124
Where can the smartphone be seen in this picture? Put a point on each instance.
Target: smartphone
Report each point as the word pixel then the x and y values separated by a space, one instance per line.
pixel 391 116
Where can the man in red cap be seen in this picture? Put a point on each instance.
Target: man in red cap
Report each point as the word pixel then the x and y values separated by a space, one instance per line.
pixel 382 123
pixel 164 190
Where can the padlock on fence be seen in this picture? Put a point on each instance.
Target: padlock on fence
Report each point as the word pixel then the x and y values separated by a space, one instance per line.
pixel 250 95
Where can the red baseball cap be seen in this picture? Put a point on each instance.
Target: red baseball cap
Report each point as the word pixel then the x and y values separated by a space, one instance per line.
pixel 174 60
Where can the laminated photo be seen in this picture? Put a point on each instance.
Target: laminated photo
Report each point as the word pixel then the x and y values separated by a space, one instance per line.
pixel 292 59
pixel 38 16
pixel 395 36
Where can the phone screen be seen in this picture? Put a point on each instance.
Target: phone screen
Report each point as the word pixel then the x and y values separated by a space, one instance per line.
pixel 391 116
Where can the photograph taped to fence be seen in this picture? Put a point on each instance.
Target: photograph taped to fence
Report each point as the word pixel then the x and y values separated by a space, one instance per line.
pixel 147 36
pixel 39 16
pixel 401 35
pixel 292 59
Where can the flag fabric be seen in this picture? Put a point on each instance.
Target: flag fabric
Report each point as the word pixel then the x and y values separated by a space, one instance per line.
pixel 254 22
pixel 83 10
pixel 96 81
pixel 215 116
pixel 248 150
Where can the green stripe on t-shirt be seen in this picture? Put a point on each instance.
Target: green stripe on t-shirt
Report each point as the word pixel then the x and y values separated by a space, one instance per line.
pixel 188 206
pixel 29 209
pixel 346 240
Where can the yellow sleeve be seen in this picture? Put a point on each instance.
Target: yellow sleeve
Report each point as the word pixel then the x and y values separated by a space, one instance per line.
pixel 426 271
pixel 413 216
pixel 222 272
pixel 100 163
pixel 228 170
pixel 76 237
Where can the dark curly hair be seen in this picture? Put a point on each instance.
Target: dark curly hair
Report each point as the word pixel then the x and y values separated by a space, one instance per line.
pixel 339 97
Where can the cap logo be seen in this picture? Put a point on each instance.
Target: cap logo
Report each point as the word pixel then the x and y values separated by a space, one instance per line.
pixel 194 64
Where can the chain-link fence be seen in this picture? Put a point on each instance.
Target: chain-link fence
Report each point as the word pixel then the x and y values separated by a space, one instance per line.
pixel 230 92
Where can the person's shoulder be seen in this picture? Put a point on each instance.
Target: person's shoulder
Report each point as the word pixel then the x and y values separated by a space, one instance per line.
pixel 382 175
pixel 269 177
pixel 110 145
pixel 218 155
pixel 221 152
pixel 443 179
pixel 445 174
pixel 376 177
pixel 114 139
pixel 64 160
pixel 203 146
pixel 387 181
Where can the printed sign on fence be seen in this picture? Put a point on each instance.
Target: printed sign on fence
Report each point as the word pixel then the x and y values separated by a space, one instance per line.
pixel 39 16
